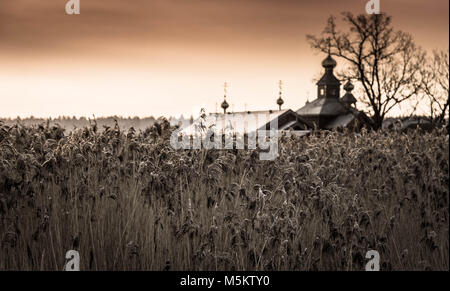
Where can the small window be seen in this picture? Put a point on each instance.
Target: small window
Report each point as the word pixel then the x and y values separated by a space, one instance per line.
pixel 322 92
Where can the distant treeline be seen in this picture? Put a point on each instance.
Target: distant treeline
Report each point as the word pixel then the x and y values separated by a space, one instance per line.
pixel 125 123
pixel 70 123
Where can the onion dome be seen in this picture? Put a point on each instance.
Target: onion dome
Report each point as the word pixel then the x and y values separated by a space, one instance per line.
pixel 280 102
pixel 224 103
pixel 349 86
pixel 225 106
pixel 329 63
pixel 348 98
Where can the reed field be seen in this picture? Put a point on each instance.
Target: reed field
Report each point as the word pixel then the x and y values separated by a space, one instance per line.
pixel 126 200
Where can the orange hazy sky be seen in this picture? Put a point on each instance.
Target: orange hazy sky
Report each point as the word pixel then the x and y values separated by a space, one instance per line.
pixel 167 57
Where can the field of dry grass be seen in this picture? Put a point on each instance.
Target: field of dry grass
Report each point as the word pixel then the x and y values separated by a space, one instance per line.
pixel 128 201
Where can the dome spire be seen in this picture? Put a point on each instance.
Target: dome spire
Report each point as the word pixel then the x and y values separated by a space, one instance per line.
pixel 329 45
pixel 348 99
pixel 280 100
pixel 328 86
pixel 225 103
pixel 329 63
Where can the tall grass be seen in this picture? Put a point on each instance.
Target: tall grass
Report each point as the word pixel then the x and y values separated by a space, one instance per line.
pixel 128 201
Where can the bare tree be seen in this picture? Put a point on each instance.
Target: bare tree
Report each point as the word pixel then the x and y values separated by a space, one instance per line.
pixel 385 62
pixel 435 79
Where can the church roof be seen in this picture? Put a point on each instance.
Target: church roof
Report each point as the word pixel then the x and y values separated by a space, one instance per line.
pixel 240 122
pixel 254 119
pixel 340 121
pixel 328 79
pixel 351 118
pixel 348 98
pixel 246 122
pixel 323 106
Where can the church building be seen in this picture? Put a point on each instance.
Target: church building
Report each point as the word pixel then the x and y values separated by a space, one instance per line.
pixel 327 112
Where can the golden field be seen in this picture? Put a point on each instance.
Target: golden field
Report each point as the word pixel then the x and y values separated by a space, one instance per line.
pixel 128 201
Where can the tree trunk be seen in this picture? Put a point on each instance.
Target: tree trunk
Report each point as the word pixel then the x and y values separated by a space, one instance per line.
pixel 377 121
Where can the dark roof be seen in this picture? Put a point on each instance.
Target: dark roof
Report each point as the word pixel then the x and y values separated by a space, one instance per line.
pixel 323 106
pixel 248 121
pixel 340 121
pixel 289 119
pixel 348 98
pixel 328 79
pixel 345 120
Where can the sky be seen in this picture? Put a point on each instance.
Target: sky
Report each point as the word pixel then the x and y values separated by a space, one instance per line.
pixel 170 57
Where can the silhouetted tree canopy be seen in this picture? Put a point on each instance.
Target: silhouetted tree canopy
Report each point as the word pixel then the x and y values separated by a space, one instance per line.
pixel 386 63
